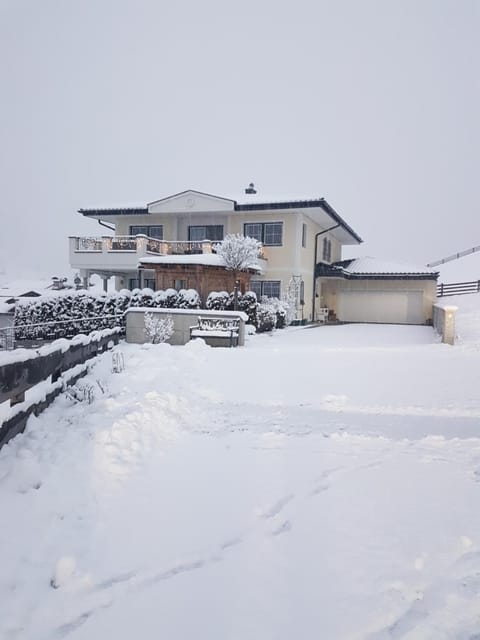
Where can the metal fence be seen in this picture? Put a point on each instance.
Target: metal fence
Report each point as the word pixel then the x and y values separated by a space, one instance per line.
pixel 457 288
pixel 7 338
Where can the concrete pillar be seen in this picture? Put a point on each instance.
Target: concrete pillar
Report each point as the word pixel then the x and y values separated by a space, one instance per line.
pixel 449 325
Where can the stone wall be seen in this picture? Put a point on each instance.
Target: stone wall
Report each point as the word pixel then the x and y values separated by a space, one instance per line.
pixel 183 319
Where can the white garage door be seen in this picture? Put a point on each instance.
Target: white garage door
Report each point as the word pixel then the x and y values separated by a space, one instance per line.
pixel 405 307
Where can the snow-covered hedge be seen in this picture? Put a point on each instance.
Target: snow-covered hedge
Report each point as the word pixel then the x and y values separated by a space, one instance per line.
pixel 82 311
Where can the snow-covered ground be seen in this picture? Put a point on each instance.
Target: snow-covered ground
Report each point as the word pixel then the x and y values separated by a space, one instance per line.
pixel 319 483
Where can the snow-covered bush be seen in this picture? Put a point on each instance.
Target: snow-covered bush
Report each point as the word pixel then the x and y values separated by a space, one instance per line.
pixel 158 328
pixel 248 304
pixel 79 311
pixel 166 299
pixel 188 299
pixel 280 308
pixel 217 300
pixel 266 317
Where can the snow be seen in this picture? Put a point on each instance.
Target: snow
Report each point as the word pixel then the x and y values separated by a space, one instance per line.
pixel 209 259
pixel 207 313
pixel 200 258
pixel 62 344
pixel 374 265
pixel 318 483
pixel 464 269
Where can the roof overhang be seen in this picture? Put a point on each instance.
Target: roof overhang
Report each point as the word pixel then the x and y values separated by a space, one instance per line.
pixel 192 201
pixel 318 210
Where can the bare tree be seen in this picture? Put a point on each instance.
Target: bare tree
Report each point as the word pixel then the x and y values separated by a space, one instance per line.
pixel 239 254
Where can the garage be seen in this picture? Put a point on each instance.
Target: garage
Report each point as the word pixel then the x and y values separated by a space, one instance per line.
pixel 396 307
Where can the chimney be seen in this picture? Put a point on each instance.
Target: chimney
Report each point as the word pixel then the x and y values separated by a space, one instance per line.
pixel 250 189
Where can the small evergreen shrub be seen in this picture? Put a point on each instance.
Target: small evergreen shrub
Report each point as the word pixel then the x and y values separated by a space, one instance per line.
pixel 266 318
pixel 217 301
pixel 188 299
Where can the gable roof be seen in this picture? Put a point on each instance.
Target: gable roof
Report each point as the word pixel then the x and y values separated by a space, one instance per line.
pixel 192 192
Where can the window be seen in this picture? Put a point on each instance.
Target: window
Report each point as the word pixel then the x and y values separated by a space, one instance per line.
pixel 198 233
pixel 268 288
pixel 270 233
pixel 133 283
pixel 149 283
pixel 304 235
pixel 327 250
pixel 152 231
pixel 179 284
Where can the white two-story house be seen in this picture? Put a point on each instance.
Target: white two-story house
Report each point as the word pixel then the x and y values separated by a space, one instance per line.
pixel 151 245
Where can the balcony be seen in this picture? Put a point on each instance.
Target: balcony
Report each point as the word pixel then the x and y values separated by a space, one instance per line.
pixel 115 254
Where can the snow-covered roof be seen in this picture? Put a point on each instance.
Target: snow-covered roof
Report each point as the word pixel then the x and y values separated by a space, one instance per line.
pixel 374 266
pixel 319 208
pixel 209 259
pixel 124 206
pixel 262 198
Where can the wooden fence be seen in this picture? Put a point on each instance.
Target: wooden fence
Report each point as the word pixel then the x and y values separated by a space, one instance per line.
pixel 64 367
pixel 457 288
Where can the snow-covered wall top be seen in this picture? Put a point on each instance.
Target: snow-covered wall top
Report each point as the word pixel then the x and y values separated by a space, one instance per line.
pixel 62 344
pixel 191 312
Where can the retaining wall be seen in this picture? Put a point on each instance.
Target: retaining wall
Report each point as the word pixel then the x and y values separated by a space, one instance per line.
pixel 183 319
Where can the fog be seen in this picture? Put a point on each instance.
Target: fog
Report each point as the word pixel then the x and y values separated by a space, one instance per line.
pixel 373 105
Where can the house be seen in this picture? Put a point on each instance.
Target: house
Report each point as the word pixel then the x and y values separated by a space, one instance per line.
pixel 169 243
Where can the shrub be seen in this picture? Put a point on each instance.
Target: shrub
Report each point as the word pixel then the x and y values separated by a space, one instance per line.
pixel 158 328
pixel 188 299
pixel 78 308
pixel 266 318
pixel 248 304
pixel 217 300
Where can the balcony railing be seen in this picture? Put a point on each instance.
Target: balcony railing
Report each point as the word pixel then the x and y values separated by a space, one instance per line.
pixel 121 254
pixel 141 244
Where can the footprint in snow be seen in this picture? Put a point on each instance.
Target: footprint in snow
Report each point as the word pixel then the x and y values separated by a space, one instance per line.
pixel 277 507
pixel 283 528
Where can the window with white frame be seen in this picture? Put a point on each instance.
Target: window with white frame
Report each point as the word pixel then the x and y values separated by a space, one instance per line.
pixel 152 231
pixel 269 233
pixel 268 288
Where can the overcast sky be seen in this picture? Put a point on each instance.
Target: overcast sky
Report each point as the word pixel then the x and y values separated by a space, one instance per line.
pixel 373 104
